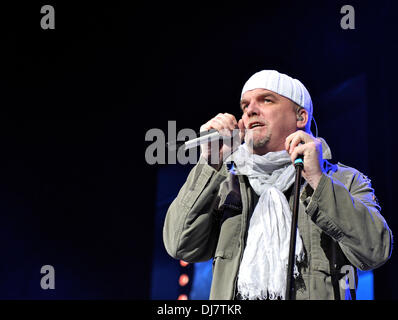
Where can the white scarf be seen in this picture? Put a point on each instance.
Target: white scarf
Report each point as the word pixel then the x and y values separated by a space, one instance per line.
pixel 263 270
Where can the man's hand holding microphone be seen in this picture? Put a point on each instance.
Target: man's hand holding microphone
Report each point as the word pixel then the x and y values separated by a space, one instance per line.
pixel 216 152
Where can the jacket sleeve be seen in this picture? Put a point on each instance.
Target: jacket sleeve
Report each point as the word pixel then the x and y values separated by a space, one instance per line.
pixel 352 217
pixel 191 226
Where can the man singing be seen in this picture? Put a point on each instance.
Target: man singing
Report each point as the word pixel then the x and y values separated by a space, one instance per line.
pixel 237 210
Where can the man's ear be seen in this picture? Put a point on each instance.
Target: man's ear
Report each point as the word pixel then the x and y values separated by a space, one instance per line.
pixel 302 118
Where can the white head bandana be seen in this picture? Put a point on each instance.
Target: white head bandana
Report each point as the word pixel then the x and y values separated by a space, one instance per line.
pixel 282 84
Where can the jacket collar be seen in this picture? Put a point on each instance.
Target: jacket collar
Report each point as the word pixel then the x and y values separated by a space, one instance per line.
pixel 326 152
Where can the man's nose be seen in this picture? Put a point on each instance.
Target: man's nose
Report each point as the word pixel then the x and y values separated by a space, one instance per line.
pixel 252 109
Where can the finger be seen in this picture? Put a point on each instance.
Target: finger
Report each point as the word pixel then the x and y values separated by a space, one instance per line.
pixel 232 117
pixel 294 143
pixel 209 125
pixel 205 127
pixel 225 129
pixel 242 129
pixel 228 121
pixel 241 126
pixel 299 150
pixel 305 137
pixel 217 124
pixel 289 139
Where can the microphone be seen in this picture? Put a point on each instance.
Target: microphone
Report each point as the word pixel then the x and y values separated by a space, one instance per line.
pixel 299 162
pixel 204 137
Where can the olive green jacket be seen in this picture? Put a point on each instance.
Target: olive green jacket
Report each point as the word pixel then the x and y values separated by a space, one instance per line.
pixel 339 222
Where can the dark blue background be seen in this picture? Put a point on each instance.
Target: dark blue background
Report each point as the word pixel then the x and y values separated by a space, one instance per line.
pixel 76 102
